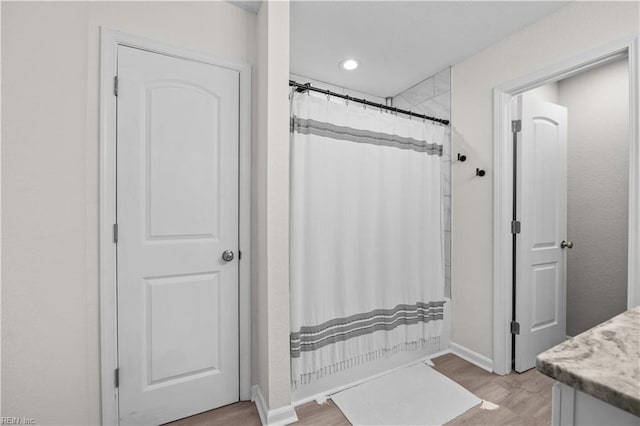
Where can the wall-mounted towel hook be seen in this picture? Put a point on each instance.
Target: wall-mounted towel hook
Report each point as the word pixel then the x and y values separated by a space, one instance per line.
pixel 480 172
pixel 462 157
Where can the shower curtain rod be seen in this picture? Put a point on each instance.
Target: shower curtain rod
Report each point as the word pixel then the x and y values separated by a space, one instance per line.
pixel 307 86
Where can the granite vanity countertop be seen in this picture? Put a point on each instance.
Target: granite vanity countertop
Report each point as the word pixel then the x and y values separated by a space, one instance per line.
pixel 603 362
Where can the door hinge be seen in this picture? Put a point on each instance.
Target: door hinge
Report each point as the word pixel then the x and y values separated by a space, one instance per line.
pixel 115 233
pixel 516 126
pixel 239 255
pixel 116 377
pixel 515 327
pixel 115 85
pixel 515 227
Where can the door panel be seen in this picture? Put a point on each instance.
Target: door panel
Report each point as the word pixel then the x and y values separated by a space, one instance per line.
pixel 167 300
pixel 183 139
pixel 544 283
pixel 542 211
pixel 177 211
pixel 543 183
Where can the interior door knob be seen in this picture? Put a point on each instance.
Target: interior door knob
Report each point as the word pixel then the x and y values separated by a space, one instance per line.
pixel 227 255
pixel 566 244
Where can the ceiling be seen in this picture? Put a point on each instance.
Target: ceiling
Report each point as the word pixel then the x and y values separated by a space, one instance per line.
pixel 398 43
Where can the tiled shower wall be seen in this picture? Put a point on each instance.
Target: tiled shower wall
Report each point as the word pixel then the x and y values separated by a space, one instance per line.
pixel 432 97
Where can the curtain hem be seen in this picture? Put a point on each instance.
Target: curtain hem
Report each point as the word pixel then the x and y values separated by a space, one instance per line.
pixel 306 378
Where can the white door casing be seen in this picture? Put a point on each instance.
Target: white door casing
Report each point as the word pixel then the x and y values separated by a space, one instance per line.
pixel 542 211
pixel 177 211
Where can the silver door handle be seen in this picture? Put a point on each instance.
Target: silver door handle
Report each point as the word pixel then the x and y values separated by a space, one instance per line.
pixel 566 244
pixel 227 255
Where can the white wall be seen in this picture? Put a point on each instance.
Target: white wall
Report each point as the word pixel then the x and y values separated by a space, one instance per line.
pixel 597 193
pixel 270 276
pixel 50 57
pixel 574 29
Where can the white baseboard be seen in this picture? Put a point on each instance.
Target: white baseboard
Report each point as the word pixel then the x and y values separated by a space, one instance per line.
pixel 278 417
pixel 473 357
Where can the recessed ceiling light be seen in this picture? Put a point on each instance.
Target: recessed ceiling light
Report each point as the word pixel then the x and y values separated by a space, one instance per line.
pixel 349 64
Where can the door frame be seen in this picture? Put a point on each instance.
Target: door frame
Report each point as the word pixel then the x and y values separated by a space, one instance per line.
pixel 503 185
pixel 110 40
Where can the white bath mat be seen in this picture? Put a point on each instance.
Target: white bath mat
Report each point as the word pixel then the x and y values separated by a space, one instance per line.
pixel 416 395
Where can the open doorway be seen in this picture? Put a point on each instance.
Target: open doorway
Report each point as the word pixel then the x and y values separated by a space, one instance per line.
pixel 504 190
pixel 571 179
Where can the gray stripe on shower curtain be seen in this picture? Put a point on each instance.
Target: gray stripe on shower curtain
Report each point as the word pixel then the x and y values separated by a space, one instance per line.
pixel 308 126
pixel 311 338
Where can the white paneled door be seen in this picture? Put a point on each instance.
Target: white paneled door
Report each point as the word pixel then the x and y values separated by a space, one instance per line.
pixel 177 213
pixel 542 211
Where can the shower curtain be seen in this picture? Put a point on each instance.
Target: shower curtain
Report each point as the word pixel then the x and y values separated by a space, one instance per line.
pixel 367 257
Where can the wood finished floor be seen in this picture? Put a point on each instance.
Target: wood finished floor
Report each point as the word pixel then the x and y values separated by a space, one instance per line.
pixel 523 399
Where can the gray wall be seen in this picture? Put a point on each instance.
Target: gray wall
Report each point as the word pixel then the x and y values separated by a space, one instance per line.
pixel 597 196
pixel 432 97
pixel 547 93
